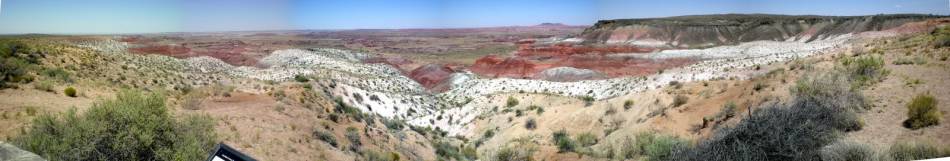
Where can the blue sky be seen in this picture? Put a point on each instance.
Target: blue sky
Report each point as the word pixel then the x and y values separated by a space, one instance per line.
pixel 148 16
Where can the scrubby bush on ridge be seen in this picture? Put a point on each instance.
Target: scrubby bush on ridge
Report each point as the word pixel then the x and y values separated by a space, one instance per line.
pixel 820 110
pixel 922 112
pixel 847 151
pixel 134 126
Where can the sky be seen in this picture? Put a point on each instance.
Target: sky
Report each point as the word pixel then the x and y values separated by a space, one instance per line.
pixel 153 16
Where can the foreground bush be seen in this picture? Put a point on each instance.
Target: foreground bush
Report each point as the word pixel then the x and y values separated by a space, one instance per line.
pixel 70 91
pixel 915 151
pixel 563 141
pixel 793 131
pixel 656 147
pixel 865 70
pixel 922 112
pixel 134 126
pixel 847 151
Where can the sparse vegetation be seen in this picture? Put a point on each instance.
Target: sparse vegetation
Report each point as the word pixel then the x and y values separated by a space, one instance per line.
pixel 922 112
pixel 627 104
pixel 56 74
pixel 372 155
pixel 353 135
pixel 514 153
pixel 816 116
pixel 512 102
pixel 531 124
pixel 327 137
pixel 865 70
pixel 657 147
pixel 563 141
pixel 45 85
pixel 847 151
pixel 301 78
pixel 134 126
pixel 585 139
pixel 70 91
pixel 679 100
pixel 588 100
pixel 915 150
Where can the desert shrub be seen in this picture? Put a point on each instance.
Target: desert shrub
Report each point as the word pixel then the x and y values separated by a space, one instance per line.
pixel 488 134
pixel 793 131
pixel 728 111
pixel 847 151
pixel 627 104
pixel 922 112
pixel 134 126
pixel 759 86
pixel 865 70
pixel 45 85
pixel 470 152
pixel 531 124
pixel 15 63
pixel 327 137
pixel 831 89
pixel 353 135
pixel 915 150
pixel 679 100
pixel 70 91
pixel 585 139
pixel 446 150
pixel 393 124
pixel 941 37
pixel 563 141
pixel 588 100
pixel 372 155
pixel 512 102
pixel 301 78
pixel 513 154
pixel 657 147
pixel 57 74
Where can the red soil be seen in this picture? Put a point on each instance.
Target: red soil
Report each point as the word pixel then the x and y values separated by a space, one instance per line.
pixel 530 60
pixel 170 50
pixel 525 48
pixel 432 76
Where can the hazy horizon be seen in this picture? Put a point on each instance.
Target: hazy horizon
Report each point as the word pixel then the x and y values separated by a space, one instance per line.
pixel 155 16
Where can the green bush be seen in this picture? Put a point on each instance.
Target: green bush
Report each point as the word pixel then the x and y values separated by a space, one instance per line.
pixel 353 135
pixel 470 152
pixel 57 74
pixel 941 37
pixel 301 78
pixel 372 155
pixel 16 59
pixel 70 91
pixel 513 154
pixel 446 150
pixel 627 104
pixel 865 70
pixel 586 139
pixel 563 141
pixel 915 151
pixel 531 124
pixel 847 151
pixel 512 102
pixel 133 126
pixel 327 137
pixel 45 85
pixel 588 100
pixel 658 147
pixel 922 112
pixel 679 100
pixel 796 130
pixel 728 111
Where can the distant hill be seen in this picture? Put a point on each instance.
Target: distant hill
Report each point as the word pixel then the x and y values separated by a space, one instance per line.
pixel 713 30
